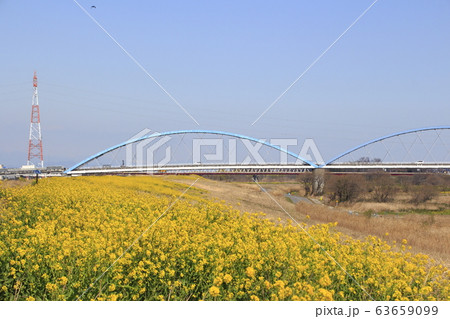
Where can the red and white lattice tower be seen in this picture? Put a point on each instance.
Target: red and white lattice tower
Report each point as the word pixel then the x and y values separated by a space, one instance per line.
pixel 35 154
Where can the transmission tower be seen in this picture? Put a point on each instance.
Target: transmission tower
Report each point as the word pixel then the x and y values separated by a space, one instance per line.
pixel 35 154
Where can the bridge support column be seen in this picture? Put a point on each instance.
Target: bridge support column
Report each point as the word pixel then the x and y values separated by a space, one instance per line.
pixel 318 181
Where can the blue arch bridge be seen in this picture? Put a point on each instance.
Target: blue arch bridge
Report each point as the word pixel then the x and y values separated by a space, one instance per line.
pixel 216 152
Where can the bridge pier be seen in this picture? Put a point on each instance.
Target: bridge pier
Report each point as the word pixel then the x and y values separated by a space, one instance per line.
pixel 318 183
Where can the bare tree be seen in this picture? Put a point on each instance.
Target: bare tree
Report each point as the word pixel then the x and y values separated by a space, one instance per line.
pixel 344 188
pixel 314 183
pixel 307 181
pixel 383 188
pixel 423 194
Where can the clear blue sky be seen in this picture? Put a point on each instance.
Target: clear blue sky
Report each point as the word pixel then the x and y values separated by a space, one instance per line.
pixel 224 61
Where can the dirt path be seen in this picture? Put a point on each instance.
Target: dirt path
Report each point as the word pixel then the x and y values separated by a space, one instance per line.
pixel 297 199
pixel 426 234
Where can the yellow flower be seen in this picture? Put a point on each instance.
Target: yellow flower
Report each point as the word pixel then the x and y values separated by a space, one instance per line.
pixel 113 297
pixel 17 285
pixel 214 291
pixel 325 295
pixel 81 225
pixel 227 278
pixel 50 287
pixel 250 272
pixel 62 281
pixel 325 281
pixel 425 290
pixel 218 281
pixel 279 284
pixel 30 299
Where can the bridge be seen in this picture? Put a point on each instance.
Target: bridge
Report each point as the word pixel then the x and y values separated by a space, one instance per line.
pixel 29 172
pixel 217 152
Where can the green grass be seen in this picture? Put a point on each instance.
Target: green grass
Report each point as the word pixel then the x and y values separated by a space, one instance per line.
pixel 289 199
pixel 416 211
pixel 431 212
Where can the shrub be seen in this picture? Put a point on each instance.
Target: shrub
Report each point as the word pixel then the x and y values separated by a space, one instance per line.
pixel 344 188
pixel 383 188
pixel 423 194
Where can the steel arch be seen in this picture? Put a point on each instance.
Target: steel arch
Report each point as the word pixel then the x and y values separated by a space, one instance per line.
pixel 432 128
pixel 155 135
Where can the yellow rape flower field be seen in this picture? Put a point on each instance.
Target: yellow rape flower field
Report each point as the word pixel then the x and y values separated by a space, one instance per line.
pixel 58 236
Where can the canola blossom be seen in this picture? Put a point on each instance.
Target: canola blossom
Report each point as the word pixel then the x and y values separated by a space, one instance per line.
pixel 58 236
